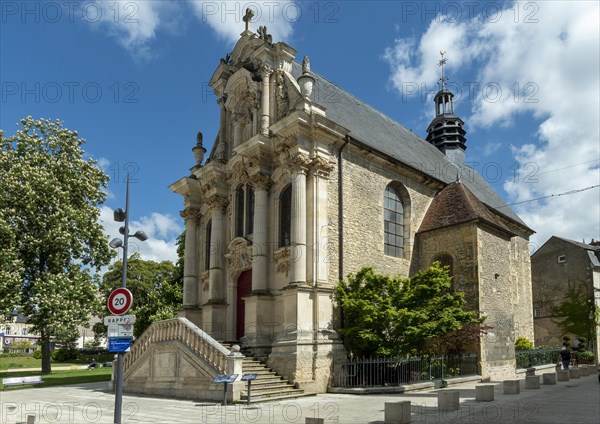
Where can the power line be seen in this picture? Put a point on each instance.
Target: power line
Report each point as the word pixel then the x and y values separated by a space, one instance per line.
pixel 570 166
pixel 566 193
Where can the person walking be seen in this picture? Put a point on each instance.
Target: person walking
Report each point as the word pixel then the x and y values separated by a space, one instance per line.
pixel 565 357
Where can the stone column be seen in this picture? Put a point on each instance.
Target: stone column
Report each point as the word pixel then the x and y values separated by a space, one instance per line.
pixel 255 110
pixel 299 165
pixel 222 119
pixel 265 73
pixel 259 237
pixel 190 263
pixel 237 128
pixel 319 178
pixel 215 273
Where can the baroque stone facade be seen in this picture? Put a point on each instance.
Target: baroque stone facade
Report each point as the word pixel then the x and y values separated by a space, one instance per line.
pixel 301 189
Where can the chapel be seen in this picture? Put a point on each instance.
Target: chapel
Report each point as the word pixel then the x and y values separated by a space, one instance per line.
pixel 305 184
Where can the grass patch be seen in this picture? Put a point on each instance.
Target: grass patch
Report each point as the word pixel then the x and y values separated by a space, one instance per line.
pixel 61 378
pixel 31 362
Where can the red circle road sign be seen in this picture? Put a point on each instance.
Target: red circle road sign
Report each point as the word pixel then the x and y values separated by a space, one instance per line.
pixel 119 301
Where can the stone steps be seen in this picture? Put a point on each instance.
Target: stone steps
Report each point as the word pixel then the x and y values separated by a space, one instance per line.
pixel 268 386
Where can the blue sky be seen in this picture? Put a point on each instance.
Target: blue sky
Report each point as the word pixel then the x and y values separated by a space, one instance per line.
pixel 132 78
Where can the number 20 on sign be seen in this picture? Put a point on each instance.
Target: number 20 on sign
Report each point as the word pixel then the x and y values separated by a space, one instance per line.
pixel 119 301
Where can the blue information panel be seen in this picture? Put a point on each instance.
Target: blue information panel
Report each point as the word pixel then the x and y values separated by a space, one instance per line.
pixel 249 377
pixel 225 378
pixel 118 345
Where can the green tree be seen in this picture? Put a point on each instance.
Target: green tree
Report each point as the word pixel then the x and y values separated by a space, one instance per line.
pixel 49 209
pixel 577 314
pixel 157 289
pixel 394 316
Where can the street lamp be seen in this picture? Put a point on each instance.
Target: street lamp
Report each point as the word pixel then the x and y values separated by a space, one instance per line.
pixel 121 215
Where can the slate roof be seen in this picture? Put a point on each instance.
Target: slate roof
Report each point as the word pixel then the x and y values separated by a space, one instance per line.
pixel 456 204
pixel 387 136
pixel 579 244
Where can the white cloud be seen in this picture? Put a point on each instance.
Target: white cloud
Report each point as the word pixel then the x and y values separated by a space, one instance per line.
pixel 225 18
pixel 556 64
pixel 162 231
pixel 134 24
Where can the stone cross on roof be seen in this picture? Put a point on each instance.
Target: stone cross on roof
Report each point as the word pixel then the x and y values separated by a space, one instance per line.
pixel 248 17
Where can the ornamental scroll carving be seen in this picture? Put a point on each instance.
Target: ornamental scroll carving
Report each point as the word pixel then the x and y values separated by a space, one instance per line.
pixel 282 260
pixel 239 256
pixel 281 95
pixel 190 213
pixel 217 202
pixel 298 162
pixel 322 167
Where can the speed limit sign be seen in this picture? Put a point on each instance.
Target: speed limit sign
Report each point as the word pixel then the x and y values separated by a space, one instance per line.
pixel 119 301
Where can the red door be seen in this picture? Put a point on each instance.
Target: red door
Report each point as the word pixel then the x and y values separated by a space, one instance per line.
pixel 244 287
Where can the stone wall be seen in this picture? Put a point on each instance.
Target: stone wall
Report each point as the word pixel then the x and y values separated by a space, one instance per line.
pixel 497 302
pixel 460 242
pixel 365 179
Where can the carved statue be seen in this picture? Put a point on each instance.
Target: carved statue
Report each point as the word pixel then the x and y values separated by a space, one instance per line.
pixel 226 59
pixel 281 96
pixel 199 138
pixel 264 35
pixel 221 152
pixel 306 65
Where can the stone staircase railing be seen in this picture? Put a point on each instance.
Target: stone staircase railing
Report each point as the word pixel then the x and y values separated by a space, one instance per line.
pixel 182 330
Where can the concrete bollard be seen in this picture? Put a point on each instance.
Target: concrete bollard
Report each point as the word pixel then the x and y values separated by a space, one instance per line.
pixel 448 400
pixel 532 382
pixel 511 387
pixel 584 370
pixel 549 378
pixel 484 392
pixel 30 419
pixel 574 373
pixel 563 375
pixel 310 420
pixel 395 412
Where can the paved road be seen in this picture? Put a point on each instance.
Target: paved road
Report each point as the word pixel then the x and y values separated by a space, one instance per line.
pixel 573 402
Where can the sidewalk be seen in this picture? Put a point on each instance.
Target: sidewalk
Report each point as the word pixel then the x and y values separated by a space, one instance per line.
pixel 576 401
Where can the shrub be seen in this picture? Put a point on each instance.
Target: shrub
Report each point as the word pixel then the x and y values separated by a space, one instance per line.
pixel 37 354
pixel 523 344
pixel 585 357
pixel 64 355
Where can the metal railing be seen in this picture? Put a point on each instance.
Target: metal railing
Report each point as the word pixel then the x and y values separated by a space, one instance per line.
pixel 531 358
pixel 385 371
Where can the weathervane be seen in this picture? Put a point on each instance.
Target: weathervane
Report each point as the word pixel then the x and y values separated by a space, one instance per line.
pixel 441 63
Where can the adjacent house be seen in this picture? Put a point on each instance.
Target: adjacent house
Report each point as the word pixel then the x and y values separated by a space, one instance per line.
pixel 560 264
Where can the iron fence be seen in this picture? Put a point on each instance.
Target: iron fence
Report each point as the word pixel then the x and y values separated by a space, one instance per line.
pixel 385 371
pixel 531 358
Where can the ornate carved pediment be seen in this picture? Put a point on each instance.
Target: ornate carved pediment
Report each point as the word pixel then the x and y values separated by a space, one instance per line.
pixel 239 256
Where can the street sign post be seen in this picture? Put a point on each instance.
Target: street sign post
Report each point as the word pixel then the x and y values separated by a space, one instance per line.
pixel 119 345
pixel 119 301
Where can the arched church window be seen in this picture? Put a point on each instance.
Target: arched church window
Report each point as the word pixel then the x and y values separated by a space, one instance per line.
pixel 244 211
pixel 285 216
pixel 393 221
pixel 207 245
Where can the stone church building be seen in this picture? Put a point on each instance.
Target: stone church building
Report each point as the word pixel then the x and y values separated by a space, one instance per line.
pixel 305 184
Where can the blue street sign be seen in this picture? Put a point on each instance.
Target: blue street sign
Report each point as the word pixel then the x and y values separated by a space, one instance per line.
pixel 119 345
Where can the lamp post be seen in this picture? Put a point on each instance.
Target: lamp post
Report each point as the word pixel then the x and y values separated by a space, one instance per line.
pixel 121 215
